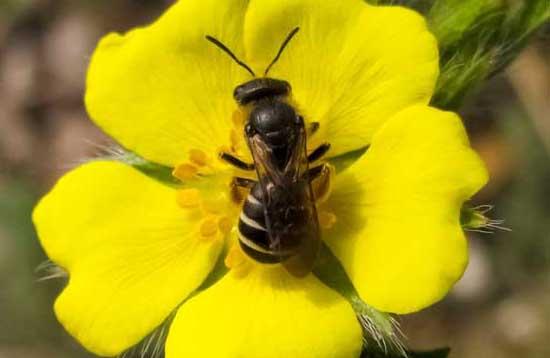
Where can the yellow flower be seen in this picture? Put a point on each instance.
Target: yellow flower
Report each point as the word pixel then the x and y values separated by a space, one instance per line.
pixel 137 249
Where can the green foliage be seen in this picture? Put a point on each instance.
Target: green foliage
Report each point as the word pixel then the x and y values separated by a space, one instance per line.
pixel 478 39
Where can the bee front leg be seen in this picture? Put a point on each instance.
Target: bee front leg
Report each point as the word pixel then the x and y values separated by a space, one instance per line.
pixel 321 181
pixel 237 194
pixel 318 153
pixel 236 162
pixel 315 172
pixel 312 128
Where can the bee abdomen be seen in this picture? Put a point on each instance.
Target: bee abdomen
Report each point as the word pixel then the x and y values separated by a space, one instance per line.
pixel 253 235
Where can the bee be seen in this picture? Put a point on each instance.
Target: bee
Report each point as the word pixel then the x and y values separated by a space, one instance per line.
pixel 278 221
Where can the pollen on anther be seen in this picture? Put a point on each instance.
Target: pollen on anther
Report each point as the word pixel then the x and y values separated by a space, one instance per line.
pixel 209 228
pixel 185 172
pixel 198 157
pixel 225 224
pixel 235 257
pixel 235 138
pixel 188 198
pixel 238 118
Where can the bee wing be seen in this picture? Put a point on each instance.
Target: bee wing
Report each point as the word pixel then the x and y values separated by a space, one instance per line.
pixel 265 169
pixel 309 236
pixel 289 206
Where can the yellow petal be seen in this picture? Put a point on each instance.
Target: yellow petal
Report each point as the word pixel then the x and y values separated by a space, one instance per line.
pixel 266 313
pixel 164 90
pixel 351 66
pixel 398 233
pixel 132 253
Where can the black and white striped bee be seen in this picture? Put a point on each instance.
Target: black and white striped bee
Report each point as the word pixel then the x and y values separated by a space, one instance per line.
pixel 278 222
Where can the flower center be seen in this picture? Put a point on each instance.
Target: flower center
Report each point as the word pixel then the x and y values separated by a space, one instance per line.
pixel 223 196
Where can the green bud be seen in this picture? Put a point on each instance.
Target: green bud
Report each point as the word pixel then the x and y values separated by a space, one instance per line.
pixel 451 20
pixel 476 219
pixel 478 39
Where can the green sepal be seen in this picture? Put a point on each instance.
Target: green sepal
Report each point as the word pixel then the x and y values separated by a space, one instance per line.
pixel 472 219
pixel 382 332
pixel 343 161
pixel 156 171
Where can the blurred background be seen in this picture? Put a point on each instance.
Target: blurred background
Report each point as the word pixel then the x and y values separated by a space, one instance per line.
pixel 501 308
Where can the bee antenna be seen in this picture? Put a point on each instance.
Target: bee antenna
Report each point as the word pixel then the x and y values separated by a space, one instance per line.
pixel 231 54
pixel 283 46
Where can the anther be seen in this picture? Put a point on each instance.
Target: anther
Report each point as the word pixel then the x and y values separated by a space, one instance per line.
pixel 213 204
pixel 209 228
pixel 238 118
pixel 327 219
pixel 236 261
pixel 185 172
pixel 225 224
pixel 235 257
pixel 188 198
pixel 235 139
pixel 198 157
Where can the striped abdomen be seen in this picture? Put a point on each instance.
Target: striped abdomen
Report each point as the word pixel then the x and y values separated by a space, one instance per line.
pixel 253 236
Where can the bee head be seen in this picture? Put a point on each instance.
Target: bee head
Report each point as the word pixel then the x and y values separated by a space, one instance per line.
pixel 260 88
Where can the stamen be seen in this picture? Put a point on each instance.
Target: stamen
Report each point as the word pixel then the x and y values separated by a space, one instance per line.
pixel 198 157
pixel 238 118
pixel 234 257
pixel 185 172
pixel 214 204
pixel 235 139
pixel 189 198
pixel 225 224
pixel 327 219
pixel 237 262
pixel 209 228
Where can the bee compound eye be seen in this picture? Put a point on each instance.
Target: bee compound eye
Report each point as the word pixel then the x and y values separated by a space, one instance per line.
pixel 249 130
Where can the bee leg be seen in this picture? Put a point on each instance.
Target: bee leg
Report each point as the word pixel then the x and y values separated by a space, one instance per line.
pixel 321 178
pixel 237 195
pixel 315 172
pixel 318 152
pixel 312 128
pixel 243 182
pixel 236 162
